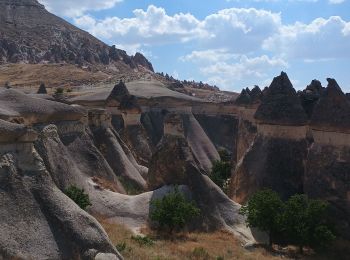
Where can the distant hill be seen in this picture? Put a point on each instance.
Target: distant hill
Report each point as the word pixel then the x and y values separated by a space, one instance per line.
pixel 30 34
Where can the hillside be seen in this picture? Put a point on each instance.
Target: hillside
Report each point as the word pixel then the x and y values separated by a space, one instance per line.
pixel 30 34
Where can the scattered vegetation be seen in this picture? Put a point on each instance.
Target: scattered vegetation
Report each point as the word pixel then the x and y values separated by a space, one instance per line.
pixel 199 253
pixel 130 188
pixel 78 196
pixel 305 222
pixel 7 85
pixel 173 211
pixel 59 91
pixel 299 221
pixel 220 174
pixel 218 245
pixel 221 170
pixel 143 240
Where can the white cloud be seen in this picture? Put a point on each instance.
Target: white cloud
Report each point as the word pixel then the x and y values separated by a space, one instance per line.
pixel 152 26
pixel 211 55
pixel 239 30
pixel 77 8
pixel 321 39
pixel 336 1
pixel 228 73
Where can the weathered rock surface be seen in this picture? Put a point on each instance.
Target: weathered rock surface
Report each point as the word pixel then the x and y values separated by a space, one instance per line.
pixel 332 112
pixel 221 130
pixel 327 171
pixel 37 220
pixel 310 96
pixel 19 107
pixel 31 34
pixel 280 104
pixel 327 177
pixel 270 163
pixel 174 163
pixel 275 159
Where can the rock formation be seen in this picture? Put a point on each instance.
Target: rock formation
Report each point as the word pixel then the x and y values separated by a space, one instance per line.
pixel 54 40
pixel 310 96
pixel 247 103
pixel 37 220
pixel 328 161
pixel 275 158
pixel 174 163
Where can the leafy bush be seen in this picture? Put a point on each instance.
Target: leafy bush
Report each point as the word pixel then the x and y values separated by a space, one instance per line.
pixel 59 91
pixel 300 221
pixel 173 211
pixel 199 253
pixel 78 196
pixel 224 155
pixel 121 247
pixel 220 173
pixel 143 240
pixel 304 222
pixel 264 211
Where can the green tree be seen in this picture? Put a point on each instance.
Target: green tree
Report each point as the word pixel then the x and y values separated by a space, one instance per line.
pixel 264 211
pixel 78 196
pixel 220 172
pixel 224 155
pixel 173 211
pixel 59 91
pixel 305 222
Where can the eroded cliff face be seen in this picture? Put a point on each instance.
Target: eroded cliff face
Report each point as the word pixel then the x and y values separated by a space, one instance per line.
pixel 37 219
pixel 174 163
pixel 291 154
pixel 275 158
pixel 30 34
pixel 328 160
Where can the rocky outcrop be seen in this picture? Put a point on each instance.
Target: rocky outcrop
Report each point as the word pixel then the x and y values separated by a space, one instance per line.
pixel 247 103
pixel 310 96
pixel 275 158
pixel 30 34
pixel 221 130
pixel 280 104
pixel 328 162
pixel 174 163
pixel 18 107
pixel 33 209
pixel 332 112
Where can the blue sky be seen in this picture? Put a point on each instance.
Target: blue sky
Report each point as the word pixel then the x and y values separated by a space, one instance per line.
pixel 230 43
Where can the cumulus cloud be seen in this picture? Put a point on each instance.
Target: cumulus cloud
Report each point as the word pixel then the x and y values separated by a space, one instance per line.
pixel 77 8
pixel 152 26
pixel 211 55
pixel 240 30
pixel 321 39
pixel 226 73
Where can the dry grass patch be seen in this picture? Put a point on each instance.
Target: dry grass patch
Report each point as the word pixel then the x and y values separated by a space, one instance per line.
pixel 217 245
pixel 31 76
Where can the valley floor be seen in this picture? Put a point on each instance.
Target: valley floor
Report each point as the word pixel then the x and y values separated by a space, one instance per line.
pixel 217 245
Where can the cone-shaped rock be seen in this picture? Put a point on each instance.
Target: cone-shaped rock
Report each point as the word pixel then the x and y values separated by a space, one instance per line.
pixel 333 109
pixel 281 104
pixel 256 94
pixel 120 97
pixel 42 89
pixel 244 98
pixel 310 96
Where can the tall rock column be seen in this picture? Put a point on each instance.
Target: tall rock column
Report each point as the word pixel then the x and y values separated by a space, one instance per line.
pixel 275 158
pixel 327 173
